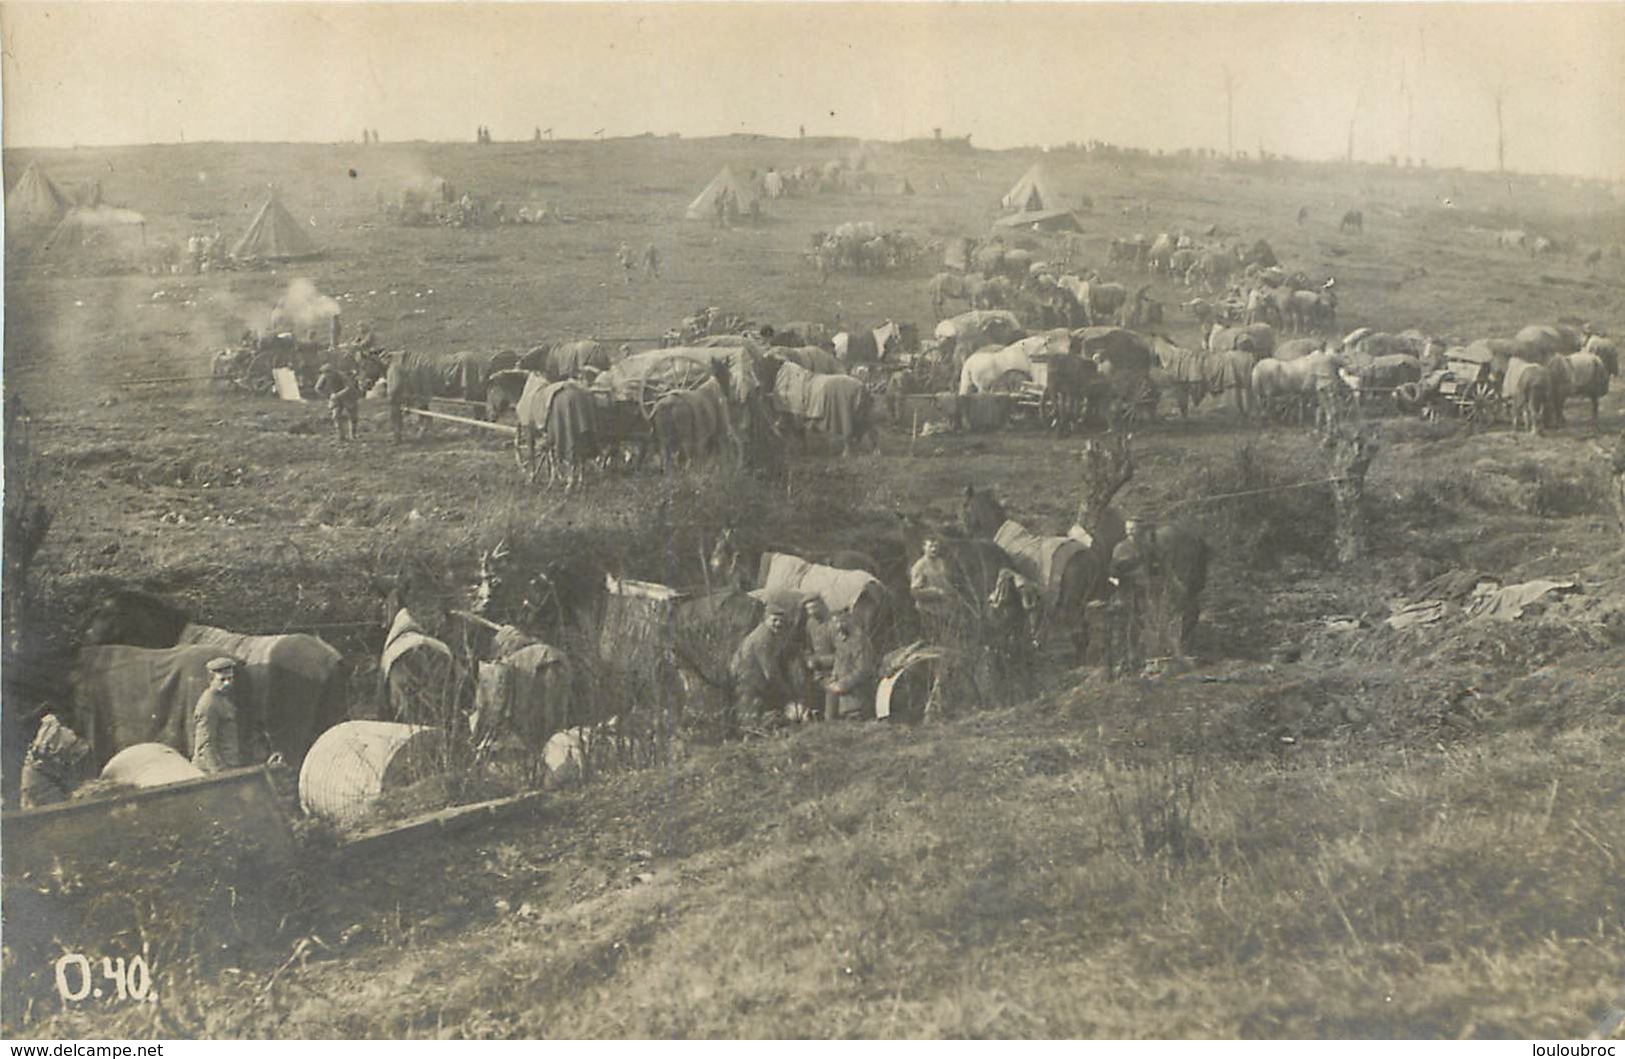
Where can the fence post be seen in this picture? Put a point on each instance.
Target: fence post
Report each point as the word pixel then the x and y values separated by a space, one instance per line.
pixel 1351 453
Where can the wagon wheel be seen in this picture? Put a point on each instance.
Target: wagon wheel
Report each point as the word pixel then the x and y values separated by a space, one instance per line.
pixel 1137 403
pixel 1481 403
pixel 648 397
pixel 257 376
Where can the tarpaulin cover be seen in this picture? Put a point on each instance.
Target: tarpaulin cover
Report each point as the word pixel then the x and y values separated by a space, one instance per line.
pixel 1041 560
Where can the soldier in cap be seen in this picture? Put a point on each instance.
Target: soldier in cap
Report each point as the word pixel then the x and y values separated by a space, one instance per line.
pixel 761 668
pixel 214 720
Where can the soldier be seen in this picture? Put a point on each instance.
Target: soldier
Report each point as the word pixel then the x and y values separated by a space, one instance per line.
pixel 819 655
pixel 624 256
pixel 214 720
pixel 343 401
pixel 762 681
pixel 651 260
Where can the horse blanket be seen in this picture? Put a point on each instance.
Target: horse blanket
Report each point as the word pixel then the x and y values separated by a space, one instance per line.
pixel 856 591
pixel 1041 560
pixel 1213 372
pixel 123 696
pixel 525 692
pixel 290 682
pixel 830 403
pixel 417 669
pixel 688 420
pixel 815 359
pixel 564 411
pixel 566 359
pixel 422 375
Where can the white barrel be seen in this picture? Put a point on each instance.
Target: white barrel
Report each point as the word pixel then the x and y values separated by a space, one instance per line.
pixel 150 765
pixel 353 764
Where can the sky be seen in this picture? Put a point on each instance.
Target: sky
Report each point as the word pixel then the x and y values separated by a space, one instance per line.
pixel 1418 79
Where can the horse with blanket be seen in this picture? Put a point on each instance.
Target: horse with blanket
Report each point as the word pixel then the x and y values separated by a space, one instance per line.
pixel 564 416
pixel 1193 374
pixel 567 360
pixel 837 405
pixel 415 377
pixel 1064 570
pixel 143 654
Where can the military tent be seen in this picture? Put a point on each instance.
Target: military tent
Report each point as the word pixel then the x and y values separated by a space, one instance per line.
pixel 274 236
pixel 36 199
pixel 705 207
pixel 1032 192
pixel 1042 221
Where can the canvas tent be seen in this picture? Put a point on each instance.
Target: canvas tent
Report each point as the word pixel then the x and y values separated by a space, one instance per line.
pixel 274 236
pixel 1042 221
pixel 1032 192
pixel 704 207
pixel 36 199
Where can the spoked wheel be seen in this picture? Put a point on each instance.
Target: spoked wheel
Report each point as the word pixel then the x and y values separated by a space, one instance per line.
pixel 1138 404
pixel 1481 404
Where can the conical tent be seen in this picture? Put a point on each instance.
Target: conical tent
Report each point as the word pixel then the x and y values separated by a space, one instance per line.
pixel 36 199
pixel 705 206
pixel 1032 192
pixel 274 236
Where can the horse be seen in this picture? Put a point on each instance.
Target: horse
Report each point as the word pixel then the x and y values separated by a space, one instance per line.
pixel 295 683
pixel 1589 377
pixel 984 616
pixel 565 416
pixel 1170 561
pixel 1196 373
pixel 1528 388
pixel 1284 387
pixel 856 587
pixel 566 360
pixel 1384 373
pixel 417 671
pixel 1067 572
pixel 414 378
pixel 995 370
pixel 866 347
pixel 837 405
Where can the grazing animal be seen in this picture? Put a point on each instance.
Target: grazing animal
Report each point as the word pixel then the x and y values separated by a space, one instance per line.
pixel 953 286
pixel 1353 221
pixel 1100 301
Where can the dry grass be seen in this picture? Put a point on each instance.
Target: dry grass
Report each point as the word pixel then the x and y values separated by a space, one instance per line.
pixel 1408 835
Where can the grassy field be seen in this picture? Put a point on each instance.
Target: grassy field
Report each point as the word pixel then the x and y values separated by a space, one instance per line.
pixel 1401 833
